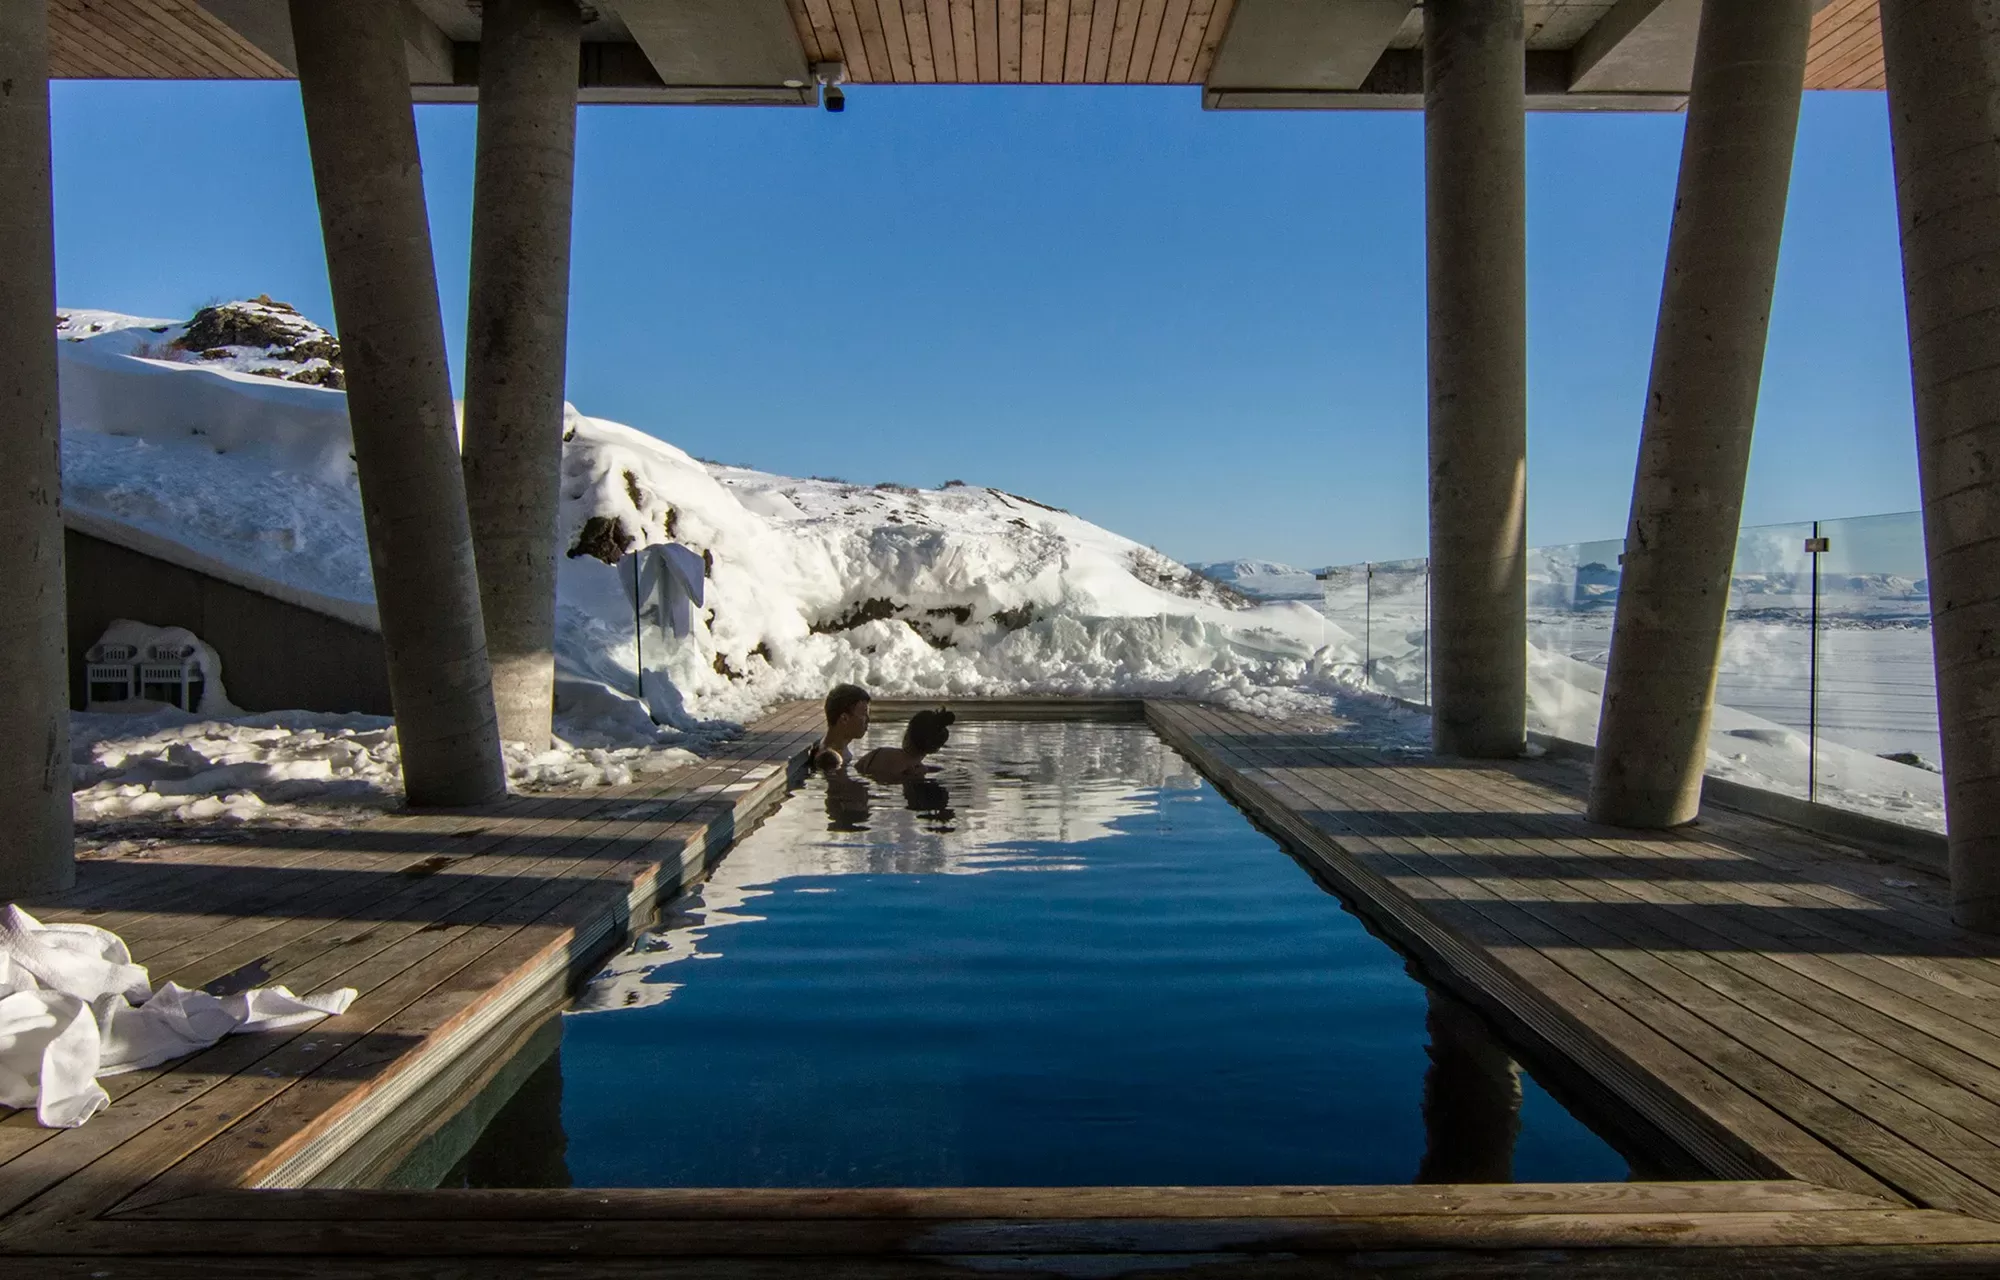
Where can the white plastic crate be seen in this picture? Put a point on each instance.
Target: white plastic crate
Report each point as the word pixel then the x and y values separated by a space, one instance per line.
pixel 172 674
pixel 110 674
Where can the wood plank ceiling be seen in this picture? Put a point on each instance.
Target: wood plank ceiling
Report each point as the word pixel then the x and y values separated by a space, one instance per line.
pixel 881 41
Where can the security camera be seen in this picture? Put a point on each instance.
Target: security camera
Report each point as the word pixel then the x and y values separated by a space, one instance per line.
pixel 832 75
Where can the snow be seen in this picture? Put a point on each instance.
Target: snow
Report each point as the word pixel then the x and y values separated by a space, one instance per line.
pixel 1263 579
pixel 958 591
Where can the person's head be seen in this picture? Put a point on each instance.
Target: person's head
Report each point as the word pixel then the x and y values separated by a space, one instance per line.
pixel 927 731
pixel 846 712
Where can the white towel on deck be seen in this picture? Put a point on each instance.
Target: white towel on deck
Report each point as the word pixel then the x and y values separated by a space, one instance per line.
pixel 74 1007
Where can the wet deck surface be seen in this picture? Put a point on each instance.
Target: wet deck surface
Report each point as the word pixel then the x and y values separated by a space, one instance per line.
pixel 1760 1005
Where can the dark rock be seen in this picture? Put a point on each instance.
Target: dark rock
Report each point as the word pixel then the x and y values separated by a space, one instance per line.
pixel 603 537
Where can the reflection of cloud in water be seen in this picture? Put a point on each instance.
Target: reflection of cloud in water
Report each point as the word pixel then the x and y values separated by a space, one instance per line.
pixel 1009 797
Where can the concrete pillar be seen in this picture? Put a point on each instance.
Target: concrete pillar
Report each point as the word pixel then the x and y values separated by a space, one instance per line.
pixel 1694 449
pixel 1475 186
pixel 1943 61
pixel 1472 1099
pixel 37 853
pixel 516 342
pixel 363 137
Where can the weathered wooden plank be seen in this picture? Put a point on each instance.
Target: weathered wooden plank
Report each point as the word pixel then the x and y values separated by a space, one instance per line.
pixel 826 30
pixel 944 55
pixel 854 48
pixel 917 24
pixel 1008 40
pixel 1103 30
pixel 1034 38
pixel 1173 25
pixel 980 1236
pixel 1124 30
pixel 965 42
pixel 1076 49
pixel 1145 40
pixel 1004 1203
pixel 109 31
pixel 986 53
pixel 1200 12
pixel 880 67
pixel 896 36
pixel 1896 1262
pixel 1211 40
pixel 1055 40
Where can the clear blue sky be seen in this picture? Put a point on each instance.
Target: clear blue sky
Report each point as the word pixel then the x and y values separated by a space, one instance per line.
pixel 1202 329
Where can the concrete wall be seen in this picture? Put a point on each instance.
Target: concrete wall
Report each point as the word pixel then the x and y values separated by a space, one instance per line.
pixel 275 656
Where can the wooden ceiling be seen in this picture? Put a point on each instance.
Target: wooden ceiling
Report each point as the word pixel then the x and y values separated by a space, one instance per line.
pixel 887 41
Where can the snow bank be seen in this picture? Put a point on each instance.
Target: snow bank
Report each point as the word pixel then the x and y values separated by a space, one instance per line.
pixel 165 763
pixel 962 590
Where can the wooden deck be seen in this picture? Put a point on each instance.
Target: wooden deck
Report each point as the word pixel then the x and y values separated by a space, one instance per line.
pixel 1773 1004
pixel 1742 1002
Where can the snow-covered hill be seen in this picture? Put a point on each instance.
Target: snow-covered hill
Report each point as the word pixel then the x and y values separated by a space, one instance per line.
pixel 1263 579
pixel 238 458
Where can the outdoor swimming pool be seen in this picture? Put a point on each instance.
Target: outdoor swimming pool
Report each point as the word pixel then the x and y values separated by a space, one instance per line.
pixel 1066 960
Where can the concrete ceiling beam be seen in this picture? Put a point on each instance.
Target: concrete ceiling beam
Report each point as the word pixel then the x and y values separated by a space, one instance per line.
pixel 728 47
pixel 267 24
pixel 1325 46
pixel 1641 46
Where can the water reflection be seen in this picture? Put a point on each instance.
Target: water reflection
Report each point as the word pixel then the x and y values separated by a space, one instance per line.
pixel 1006 797
pixel 1472 1098
pixel 1156 995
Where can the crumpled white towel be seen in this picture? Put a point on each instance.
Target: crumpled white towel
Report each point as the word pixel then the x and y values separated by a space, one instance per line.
pixel 74 1007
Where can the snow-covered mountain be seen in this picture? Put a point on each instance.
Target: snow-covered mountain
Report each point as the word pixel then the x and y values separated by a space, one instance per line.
pixel 1263 579
pixel 236 456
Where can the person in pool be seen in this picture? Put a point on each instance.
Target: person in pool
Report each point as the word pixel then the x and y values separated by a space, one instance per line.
pixel 926 733
pixel 846 720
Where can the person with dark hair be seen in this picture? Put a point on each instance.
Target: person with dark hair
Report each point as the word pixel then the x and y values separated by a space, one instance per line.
pixel 846 720
pixel 927 732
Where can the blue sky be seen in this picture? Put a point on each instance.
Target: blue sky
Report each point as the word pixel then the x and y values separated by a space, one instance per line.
pixel 1202 329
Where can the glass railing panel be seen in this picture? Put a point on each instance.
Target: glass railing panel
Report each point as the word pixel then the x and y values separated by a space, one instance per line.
pixel 1344 603
pixel 1398 649
pixel 1572 597
pixel 1875 714
pixel 1761 731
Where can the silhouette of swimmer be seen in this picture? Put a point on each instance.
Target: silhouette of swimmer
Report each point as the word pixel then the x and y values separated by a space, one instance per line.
pixel 925 734
pixel 846 802
pixel 929 799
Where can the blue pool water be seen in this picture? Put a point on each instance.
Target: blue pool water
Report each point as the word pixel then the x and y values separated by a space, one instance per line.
pixel 1066 961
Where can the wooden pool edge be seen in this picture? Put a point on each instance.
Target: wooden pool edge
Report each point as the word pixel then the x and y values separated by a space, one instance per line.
pixel 1756 1220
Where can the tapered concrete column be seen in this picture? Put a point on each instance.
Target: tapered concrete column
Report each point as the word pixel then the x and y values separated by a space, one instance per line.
pixel 1944 82
pixel 1476 212
pixel 36 851
pixel 1472 1099
pixel 363 137
pixel 516 342
pixel 1694 448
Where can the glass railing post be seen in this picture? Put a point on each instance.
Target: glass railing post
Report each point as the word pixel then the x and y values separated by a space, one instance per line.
pixel 1814 546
